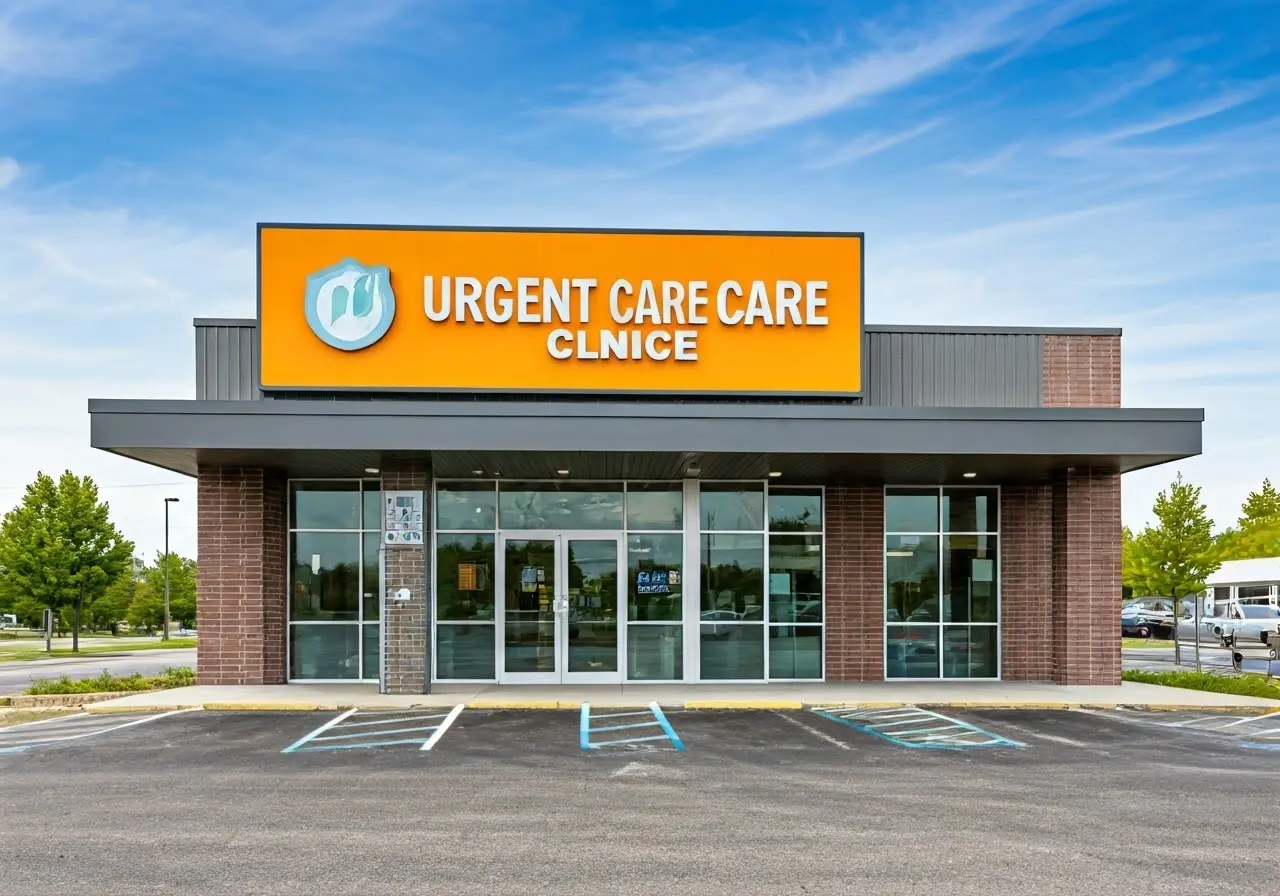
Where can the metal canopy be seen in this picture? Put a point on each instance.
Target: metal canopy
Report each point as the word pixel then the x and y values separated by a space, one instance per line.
pixel 535 440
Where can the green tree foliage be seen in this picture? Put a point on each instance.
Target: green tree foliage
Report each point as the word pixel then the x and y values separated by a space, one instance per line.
pixel 59 547
pixel 1257 531
pixel 1174 557
pixel 147 607
pixel 107 611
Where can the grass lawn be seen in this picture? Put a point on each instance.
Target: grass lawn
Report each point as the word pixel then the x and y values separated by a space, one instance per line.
pixel 1144 642
pixel 1240 685
pixel 24 654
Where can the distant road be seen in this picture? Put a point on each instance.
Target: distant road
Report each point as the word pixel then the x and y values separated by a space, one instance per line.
pixel 1160 659
pixel 16 677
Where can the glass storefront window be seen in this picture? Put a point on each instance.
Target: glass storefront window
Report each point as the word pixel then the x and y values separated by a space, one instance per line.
pixel 733 577
pixel 326 576
pixel 324 651
pixel 911 510
pixel 795 651
pixel 795 578
pixel 655 506
pixel 372 650
pixel 732 652
pixel 970 573
pixel 371 592
pixel 464 577
pixel 911 651
pixel 969 651
pixel 559 506
pixel 731 507
pixel 970 509
pixel 325 505
pixel 465 651
pixel 911 578
pixel 655 652
pixel 795 510
pixel 655 582
pixel 466 505
pixel 372 504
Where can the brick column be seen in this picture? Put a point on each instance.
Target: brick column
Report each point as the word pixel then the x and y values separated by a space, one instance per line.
pixel 241 555
pixel 855 583
pixel 1026 583
pixel 406 654
pixel 1086 577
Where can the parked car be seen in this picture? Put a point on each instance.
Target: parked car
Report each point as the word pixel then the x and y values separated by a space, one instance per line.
pixel 1147 618
pixel 1241 623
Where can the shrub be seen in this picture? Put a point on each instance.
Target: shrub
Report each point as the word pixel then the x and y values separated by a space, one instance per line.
pixel 1240 685
pixel 106 683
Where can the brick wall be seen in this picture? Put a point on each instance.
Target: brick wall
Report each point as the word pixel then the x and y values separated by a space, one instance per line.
pixel 406 624
pixel 1081 371
pixel 1026 583
pixel 855 583
pixel 1086 566
pixel 241 555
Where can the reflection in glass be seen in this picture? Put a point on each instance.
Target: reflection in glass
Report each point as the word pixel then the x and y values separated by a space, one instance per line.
pixel 325 505
pixel 324 651
pixel 733 576
pixel 970 565
pixel 655 506
pixel 530 631
pixel 655 652
pixel 911 651
pixel 372 504
pixel 326 575
pixel 567 505
pixel 911 578
pixel 795 510
pixel 969 651
pixel 732 652
pixel 911 510
pixel 728 508
pixel 466 505
pixel 655 583
pixel 970 509
pixel 795 578
pixel 593 605
pixel 371 583
pixel 795 651
pixel 465 651
pixel 464 577
pixel 372 649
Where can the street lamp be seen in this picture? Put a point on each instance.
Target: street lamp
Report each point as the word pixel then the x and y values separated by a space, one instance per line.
pixel 167 501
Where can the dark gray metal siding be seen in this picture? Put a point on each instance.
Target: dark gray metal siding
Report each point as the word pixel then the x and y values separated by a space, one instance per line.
pixel 953 370
pixel 904 367
pixel 226 362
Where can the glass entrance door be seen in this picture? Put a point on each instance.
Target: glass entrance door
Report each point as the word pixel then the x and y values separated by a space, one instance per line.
pixel 560 607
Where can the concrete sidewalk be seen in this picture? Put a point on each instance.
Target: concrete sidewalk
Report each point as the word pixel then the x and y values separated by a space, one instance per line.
pixel 1013 695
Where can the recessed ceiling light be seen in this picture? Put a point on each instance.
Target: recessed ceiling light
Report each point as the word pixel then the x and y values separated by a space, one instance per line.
pixel 563 472
pixel 774 474
pixel 970 475
pixel 693 471
pixel 477 472
pixel 371 469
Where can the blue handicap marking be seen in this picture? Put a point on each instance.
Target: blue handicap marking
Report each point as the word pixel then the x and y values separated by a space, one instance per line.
pixel 369 729
pixel 910 726
pixel 641 720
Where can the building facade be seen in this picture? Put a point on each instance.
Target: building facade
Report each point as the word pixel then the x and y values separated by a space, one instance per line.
pixel 913 502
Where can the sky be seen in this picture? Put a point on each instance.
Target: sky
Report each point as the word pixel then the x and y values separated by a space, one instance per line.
pixel 1029 163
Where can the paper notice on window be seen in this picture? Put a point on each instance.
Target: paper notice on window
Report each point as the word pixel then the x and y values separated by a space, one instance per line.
pixel 983 570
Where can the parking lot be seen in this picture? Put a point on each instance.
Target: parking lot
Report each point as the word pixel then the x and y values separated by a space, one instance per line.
pixel 472 801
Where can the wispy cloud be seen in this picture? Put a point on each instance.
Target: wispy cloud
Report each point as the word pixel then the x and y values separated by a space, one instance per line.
pixel 708 102
pixel 9 171
pixel 871 144
pixel 1151 74
pixel 988 163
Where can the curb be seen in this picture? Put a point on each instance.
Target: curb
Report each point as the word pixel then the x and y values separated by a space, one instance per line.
pixel 266 707
pixel 743 704
pixel 523 704
pixel 100 710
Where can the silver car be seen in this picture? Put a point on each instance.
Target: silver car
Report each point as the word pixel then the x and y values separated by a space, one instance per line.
pixel 1241 624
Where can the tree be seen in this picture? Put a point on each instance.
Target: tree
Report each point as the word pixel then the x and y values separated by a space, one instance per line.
pixel 182 587
pixel 1175 557
pixel 59 547
pixel 146 610
pixel 1257 532
pixel 107 611
pixel 1131 582
pixel 1261 506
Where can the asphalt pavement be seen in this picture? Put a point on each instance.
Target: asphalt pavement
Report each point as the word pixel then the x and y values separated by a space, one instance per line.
pixel 756 803
pixel 16 677
pixel 1160 659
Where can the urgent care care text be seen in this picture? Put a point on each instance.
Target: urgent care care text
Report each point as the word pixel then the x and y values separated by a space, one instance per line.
pixel 668 306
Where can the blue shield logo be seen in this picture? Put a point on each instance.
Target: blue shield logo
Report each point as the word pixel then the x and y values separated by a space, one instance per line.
pixel 350 306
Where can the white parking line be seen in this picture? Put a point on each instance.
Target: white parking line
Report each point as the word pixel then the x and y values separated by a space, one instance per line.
pixel 7 746
pixel 323 728
pixel 444 726
pixel 822 735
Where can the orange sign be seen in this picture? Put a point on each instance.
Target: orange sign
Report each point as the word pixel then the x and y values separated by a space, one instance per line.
pixel 559 311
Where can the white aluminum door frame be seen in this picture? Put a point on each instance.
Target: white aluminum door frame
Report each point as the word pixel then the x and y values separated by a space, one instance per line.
pixel 560 600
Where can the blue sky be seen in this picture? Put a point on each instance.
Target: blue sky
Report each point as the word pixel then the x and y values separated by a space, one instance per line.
pixel 1078 163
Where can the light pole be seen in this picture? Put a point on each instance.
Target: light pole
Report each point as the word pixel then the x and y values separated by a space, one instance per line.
pixel 167 501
